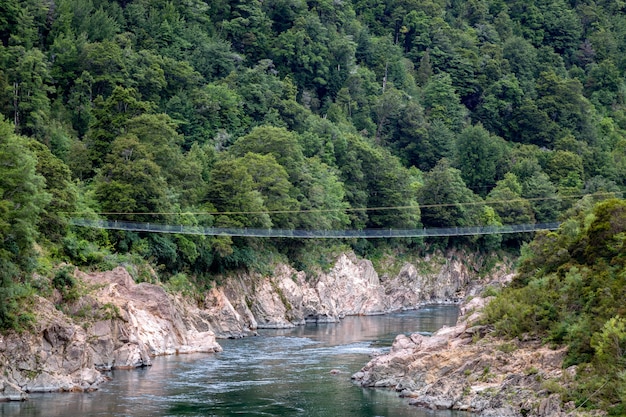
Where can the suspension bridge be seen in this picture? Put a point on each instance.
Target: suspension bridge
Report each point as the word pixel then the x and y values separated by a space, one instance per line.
pixel 312 234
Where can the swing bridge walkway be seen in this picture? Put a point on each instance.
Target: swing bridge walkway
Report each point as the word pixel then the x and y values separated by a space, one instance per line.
pixel 311 234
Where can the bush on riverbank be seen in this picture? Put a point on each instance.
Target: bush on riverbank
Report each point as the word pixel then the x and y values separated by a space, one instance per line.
pixel 570 290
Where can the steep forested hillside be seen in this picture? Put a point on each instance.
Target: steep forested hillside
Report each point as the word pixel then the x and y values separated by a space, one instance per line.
pixel 295 114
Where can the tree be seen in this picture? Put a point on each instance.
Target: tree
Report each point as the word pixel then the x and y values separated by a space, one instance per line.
pixel 544 199
pixel 53 220
pixel 521 56
pixel 158 133
pixel 506 198
pixel 384 183
pixel 563 28
pixel 480 157
pixel 444 199
pixel 323 198
pixel 261 90
pixel 97 23
pixel 425 69
pixel 213 58
pixel 214 108
pixel 248 29
pixel 442 103
pixel 111 116
pixel 130 182
pixel 424 147
pixel 22 201
pixel 304 52
pixel 29 90
pixel 9 19
pixel 530 125
pixel 105 61
pixel 563 101
pixel 272 181
pixel 510 207
pixel 233 193
pixel 563 163
pixel 387 108
pixel 278 142
pixel 66 66
pixel 23 198
pixel 81 101
pixel 497 107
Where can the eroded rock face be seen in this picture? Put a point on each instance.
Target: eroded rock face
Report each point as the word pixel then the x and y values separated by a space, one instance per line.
pixel 226 320
pixel 52 358
pixel 147 321
pixel 352 287
pixel 458 368
pixel 122 325
pixel 289 298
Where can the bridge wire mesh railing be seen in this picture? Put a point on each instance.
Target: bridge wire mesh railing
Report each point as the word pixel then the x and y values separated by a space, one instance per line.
pixel 312 234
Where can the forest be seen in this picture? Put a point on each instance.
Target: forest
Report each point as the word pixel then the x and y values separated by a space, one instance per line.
pixel 295 114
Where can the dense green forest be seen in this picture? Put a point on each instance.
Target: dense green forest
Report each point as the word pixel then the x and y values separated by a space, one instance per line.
pixel 296 114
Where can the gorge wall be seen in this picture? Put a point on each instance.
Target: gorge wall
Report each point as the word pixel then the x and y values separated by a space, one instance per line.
pixel 117 323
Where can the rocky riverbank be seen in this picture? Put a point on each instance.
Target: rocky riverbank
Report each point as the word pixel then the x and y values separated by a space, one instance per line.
pixel 117 323
pixel 465 368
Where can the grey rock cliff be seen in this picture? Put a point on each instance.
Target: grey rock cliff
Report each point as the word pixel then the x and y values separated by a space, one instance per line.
pixel 123 325
pixel 289 298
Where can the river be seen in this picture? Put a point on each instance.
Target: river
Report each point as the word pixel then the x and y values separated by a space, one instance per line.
pixel 280 373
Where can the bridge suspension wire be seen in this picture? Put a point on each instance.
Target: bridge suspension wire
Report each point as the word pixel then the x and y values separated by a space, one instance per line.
pixel 311 234
pixel 345 209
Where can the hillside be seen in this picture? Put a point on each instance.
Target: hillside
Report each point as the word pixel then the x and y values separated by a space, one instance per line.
pixel 319 114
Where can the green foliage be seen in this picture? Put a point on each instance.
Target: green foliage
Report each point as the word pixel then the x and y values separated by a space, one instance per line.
pixel 65 282
pixel 180 283
pixel 569 290
pixel 442 103
pixel 446 199
pixel 13 298
pixel 480 157
pixel 22 200
pixel 82 251
pixel 610 344
pixel 130 181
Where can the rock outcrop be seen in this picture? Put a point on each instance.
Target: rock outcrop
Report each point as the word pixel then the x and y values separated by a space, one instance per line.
pixel 289 298
pixel 463 368
pixel 119 324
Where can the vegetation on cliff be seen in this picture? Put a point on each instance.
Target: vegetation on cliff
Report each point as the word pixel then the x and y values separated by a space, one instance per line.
pixel 295 114
pixel 570 290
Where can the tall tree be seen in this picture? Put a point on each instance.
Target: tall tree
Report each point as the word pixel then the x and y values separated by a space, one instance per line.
pixel 22 201
pixel 130 182
pixel 445 200
pixel 441 102
pixel 233 193
pixel 29 86
pixel 480 157
pixel 23 198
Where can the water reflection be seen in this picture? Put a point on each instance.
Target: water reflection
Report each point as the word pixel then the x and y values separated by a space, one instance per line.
pixel 280 373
